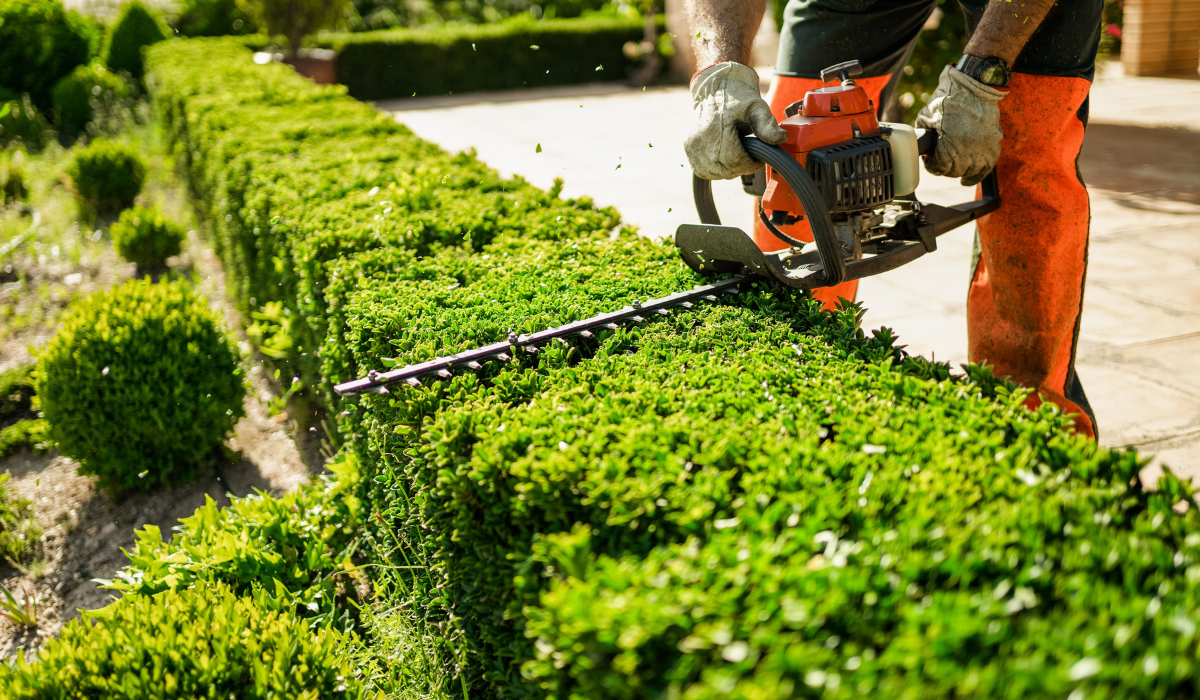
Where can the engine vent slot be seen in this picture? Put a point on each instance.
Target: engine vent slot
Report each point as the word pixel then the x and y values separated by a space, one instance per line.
pixel 853 175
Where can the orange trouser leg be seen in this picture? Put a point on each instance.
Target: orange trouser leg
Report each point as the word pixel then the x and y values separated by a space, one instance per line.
pixel 785 91
pixel 1026 294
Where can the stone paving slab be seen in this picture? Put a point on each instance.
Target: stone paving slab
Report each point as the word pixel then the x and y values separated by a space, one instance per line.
pixel 1141 322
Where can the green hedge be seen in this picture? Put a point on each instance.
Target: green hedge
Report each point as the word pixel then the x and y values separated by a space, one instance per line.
pixel 520 53
pixel 746 499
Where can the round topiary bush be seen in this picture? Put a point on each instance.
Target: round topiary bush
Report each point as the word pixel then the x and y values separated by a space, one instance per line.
pixel 134 29
pixel 108 175
pixel 74 95
pixel 146 237
pixel 203 642
pixel 22 124
pixel 40 42
pixel 141 384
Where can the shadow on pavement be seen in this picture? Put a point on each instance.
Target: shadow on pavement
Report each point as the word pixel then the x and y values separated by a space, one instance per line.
pixel 1144 167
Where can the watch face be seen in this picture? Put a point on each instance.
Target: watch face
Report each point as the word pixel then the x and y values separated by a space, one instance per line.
pixel 992 75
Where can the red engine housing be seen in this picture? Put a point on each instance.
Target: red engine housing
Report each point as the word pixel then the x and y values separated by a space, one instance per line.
pixel 825 116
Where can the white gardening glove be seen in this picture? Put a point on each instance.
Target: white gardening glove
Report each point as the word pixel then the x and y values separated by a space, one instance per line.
pixel 725 99
pixel 966 115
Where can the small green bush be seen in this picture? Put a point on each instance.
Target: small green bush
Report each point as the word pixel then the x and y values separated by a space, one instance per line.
pixel 140 384
pixel 509 55
pixel 75 95
pixel 108 175
pixel 200 643
pixel 213 18
pixel 136 28
pixel 289 553
pixel 40 42
pixel 16 391
pixel 22 124
pixel 12 186
pixel 18 531
pixel 146 237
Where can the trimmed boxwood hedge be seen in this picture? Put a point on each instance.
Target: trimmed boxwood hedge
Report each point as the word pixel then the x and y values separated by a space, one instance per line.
pixel 747 499
pixel 519 53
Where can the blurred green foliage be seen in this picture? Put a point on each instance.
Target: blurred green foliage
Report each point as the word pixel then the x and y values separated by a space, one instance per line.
pixel 135 28
pixel 40 42
pixel 21 124
pixel 78 96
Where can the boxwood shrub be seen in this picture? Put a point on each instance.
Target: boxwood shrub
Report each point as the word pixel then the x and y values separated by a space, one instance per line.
pixel 146 237
pixel 204 642
pixel 141 384
pixel 40 42
pixel 751 498
pixel 107 176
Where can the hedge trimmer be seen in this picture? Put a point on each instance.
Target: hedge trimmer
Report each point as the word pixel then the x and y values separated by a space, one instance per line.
pixel 842 175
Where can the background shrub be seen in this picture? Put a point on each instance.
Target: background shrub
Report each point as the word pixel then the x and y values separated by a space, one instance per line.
pixel 40 42
pixel 76 95
pixel 213 18
pixel 141 384
pixel 108 175
pixel 21 123
pixel 377 65
pixel 146 237
pixel 136 27
pixel 204 642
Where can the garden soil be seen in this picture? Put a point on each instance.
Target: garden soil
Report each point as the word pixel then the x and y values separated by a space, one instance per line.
pixel 86 529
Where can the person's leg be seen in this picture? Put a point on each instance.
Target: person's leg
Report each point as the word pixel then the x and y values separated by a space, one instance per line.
pixel 879 34
pixel 1026 294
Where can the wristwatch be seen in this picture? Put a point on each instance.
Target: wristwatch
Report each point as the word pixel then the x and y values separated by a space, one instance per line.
pixel 989 71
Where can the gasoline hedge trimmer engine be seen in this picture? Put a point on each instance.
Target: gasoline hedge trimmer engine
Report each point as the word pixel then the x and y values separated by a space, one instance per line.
pixel 846 178
pixel 841 176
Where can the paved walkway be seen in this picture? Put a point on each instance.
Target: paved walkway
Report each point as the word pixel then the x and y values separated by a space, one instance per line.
pixel 1141 323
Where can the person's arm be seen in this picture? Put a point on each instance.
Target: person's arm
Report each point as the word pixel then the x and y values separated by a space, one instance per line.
pixel 965 108
pixel 726 101
pixel 1006 27
pixel 724 30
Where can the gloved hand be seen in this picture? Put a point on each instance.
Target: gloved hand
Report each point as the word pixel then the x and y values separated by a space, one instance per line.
pixel 966 115
pixel 725 98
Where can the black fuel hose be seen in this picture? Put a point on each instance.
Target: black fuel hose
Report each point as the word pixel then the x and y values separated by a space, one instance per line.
pixel 815 207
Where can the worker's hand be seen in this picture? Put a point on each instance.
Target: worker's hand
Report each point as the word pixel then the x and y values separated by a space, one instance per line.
pixel 725 99
pixel 966 115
